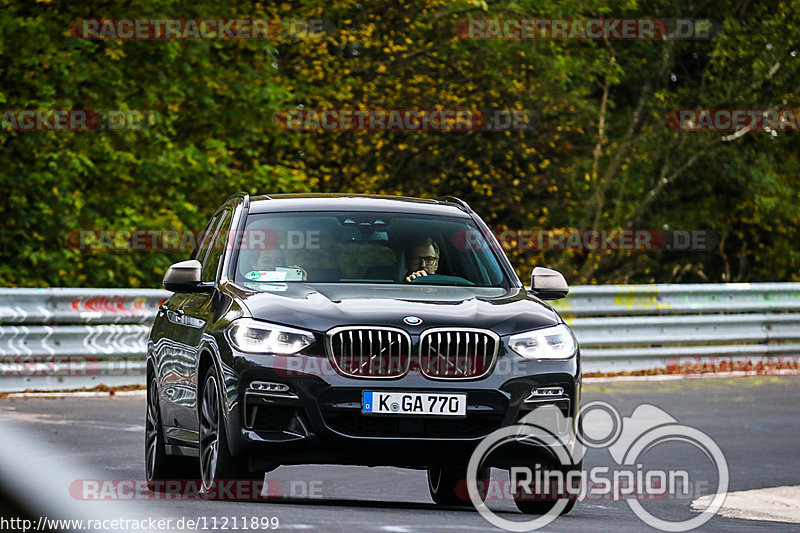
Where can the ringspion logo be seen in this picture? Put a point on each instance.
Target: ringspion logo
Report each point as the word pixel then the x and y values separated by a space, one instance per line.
pixel 561 479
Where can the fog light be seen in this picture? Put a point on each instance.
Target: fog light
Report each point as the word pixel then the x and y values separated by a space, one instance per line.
pixel 544 393
pixel 266 386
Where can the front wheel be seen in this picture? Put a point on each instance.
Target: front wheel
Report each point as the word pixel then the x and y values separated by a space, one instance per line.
pixel 160 467
pixel 448 486
pixel 541 499
pixel 216 462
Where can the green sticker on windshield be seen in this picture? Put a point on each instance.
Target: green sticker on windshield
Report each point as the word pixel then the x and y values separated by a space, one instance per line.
pixel 265 275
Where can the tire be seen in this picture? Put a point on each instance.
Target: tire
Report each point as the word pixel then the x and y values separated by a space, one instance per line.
pixel 543 506
pixel 160 467
pixel 447 486
pixel 216 462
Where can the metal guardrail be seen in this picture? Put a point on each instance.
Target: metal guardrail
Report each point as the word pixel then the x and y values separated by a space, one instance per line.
pixel 73 338
pixel 641 327
pixel 79 306
pixel 661 299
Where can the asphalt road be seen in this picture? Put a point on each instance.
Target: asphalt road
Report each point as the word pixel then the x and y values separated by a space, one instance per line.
pixel 754 420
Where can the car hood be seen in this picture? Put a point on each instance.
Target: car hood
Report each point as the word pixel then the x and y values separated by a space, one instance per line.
pixel 320 307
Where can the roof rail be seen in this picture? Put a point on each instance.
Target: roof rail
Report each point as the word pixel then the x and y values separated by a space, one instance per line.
pixel 461 204
pixel 243 195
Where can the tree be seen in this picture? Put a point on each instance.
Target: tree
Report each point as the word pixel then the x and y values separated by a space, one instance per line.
pixel 602 155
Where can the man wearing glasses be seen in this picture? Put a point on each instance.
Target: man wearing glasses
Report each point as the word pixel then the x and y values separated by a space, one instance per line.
pixel 422 259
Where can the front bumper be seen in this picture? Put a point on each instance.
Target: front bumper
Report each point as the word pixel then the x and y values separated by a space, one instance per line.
pixel 319 420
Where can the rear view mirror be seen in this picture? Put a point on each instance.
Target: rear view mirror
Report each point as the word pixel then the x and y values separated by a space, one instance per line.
pixel 185 277
pixel 548 284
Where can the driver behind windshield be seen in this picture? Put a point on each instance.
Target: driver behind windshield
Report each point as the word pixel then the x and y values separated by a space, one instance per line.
pixel 422 259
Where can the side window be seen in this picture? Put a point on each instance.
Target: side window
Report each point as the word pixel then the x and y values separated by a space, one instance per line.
pixel 200 252
pixel 217 248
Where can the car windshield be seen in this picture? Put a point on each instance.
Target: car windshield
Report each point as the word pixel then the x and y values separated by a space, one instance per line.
pixel 360 247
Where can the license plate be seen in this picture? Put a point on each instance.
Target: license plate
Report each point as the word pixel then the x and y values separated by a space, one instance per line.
pixel 414 403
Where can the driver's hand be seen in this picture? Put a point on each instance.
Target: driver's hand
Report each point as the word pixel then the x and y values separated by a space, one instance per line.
pixel 415 275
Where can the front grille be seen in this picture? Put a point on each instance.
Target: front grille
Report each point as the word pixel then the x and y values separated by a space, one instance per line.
pixel 374 352
pixel 446 353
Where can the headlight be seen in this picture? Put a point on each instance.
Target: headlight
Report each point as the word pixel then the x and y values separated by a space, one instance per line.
pixel 253 336
pixel 556 342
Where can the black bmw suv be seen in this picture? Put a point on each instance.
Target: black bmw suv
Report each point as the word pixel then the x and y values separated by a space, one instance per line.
pixel 349 329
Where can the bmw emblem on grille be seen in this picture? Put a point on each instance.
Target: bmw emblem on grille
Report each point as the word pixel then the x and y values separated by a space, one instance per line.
pixel 412 320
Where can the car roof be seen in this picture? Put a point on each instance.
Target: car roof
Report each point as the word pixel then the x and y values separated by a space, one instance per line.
pixel 357 202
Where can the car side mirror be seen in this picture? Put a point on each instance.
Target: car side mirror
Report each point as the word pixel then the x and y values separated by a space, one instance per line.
pixel 185 277
pixel 548 284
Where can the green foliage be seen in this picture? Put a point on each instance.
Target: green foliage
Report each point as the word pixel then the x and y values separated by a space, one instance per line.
pixel 214 103
pixel 213 108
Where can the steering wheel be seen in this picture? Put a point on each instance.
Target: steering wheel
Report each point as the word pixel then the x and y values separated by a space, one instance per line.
pixel 441 279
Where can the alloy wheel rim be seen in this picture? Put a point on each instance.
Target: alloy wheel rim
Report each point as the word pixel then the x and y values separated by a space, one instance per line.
pixel 209 433
pixel 152 430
